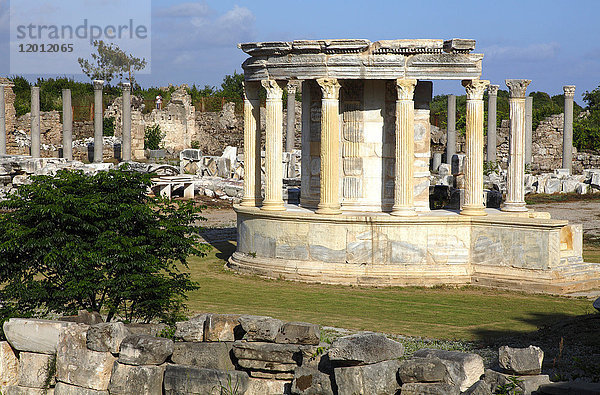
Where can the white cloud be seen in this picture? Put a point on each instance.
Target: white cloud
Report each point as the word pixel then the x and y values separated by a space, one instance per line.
pixel 184 10
pixel 532 52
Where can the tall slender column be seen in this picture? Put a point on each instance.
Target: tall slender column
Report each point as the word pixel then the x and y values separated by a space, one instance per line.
pixel 35 121
pixel 330 147
pixel 567 159
pixel 2 122
pixel 126 130
pixel 291 117
pixel 67 125
pixel 274 146
pixel 491 134
pixel 451 134
pixel 474 148
pixel 405 149
pixel 515 194
pixel 98 121
pixel 252 192
pixel 528 128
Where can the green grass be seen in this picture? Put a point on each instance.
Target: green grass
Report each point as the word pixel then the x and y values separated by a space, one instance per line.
pixel 467 313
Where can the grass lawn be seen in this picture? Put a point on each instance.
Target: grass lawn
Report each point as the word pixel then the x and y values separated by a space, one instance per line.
pixel 467 313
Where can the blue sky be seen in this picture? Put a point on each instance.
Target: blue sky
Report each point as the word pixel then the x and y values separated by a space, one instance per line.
pixel 551 42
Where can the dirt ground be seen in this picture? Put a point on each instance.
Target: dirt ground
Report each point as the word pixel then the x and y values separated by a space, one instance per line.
pixel 584 212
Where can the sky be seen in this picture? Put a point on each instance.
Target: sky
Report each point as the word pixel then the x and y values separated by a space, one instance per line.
pixel 551 42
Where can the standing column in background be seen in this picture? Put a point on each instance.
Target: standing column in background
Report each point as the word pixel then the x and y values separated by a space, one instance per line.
pixel 451 134
pixel 67 125
pixel 98 121
pixel 274 147
pixel 567 160
pixel 491 134
pixel 2 122
pixel 528 128
pixel 126 130
pixel 35 121
pixel 252 166
pixel 290 137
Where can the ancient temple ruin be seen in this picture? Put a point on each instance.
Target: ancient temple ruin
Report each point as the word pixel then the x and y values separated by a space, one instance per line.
pixel 364 215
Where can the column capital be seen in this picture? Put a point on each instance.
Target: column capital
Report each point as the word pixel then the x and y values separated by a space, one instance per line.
pixel 493 90
pixel 475 88
pixel 251 89
pixel 274 89
pixel 405 88
pixel 126 86
pixel 291 87
pixel 569 90
pixel 517 88
pixel 330 88
pixel 98 84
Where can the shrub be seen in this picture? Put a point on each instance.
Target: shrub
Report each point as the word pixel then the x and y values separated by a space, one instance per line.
pixel 108 126
pixel 153 137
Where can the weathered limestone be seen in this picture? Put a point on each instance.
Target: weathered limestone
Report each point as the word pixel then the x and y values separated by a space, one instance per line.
pixel 142 380
pixel 9 365
pixel 222 328
pixel 364 348
pixel 528 128
pixel 211 355
pixel 310 381
pixel 33 335
pixel 98 121
pixel 126 144
pixel 260 329
pixel 35 370
pixel 515 195
pixel 429 389
pixel 451 134
pixel 330 143
pixel 35 121
pixel 273 155
pixel 298 333
pixel 106 337
pixel 491 132
pixel 67 125
pixel 191 330
pixel 68 389
pixel 145 350
pixel 252 166
pixel 423 370
pixel 521 361
pixel 474 204
pixel 464 368
pixel 2 122
pixel 405 149
pixel 291 117
pixel 191 380
pixel 375 379
pixel 567 161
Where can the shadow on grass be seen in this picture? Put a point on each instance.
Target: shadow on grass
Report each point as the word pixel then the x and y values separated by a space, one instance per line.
pixel 223 240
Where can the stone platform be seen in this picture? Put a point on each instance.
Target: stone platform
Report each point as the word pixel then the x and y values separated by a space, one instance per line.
pixel 526 251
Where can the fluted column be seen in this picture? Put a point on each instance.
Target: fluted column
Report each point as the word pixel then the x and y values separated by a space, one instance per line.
pixel 67 125
pixel 98 121
pixel 567 160
pixel 35 121
pixel 451 129
pixel 126 129
pixel 2 122
pixel 274 147
pixel 405 149
pixel 515 194
pixel 290 137
pixel 330 147
pixel 252 167
pixel 474 148
pixel 528 128
pixel 491 134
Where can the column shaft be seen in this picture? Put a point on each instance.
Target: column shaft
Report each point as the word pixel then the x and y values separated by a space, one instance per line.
pixel 252 166
pixel 474 204
pixel 98 121
pixel 515 194
pixel 274 147
pixel 567 160
pixel 2 122
pixel 330 147
pixel 291 117
pixel 491 135
pixel 405 149
pixel 67 125
pixel 528 128
pixel 35 121
pixel 451 134
pixel 126 130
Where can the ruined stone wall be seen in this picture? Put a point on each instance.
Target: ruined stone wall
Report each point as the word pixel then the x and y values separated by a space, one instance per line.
pixel 50 126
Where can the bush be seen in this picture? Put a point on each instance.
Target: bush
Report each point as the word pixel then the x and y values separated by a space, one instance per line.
pixel 108 126
pixel 153 137
pixel 71 241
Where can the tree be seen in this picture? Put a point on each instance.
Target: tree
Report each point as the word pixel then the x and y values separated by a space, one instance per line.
pixel 111 62
pixel 232 86
pixel 586 128
pixel 73 241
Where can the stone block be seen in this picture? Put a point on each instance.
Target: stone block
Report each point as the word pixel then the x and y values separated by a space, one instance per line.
pixel 479 388
pixel 429 389
pixel 271 375
pixel 32 335
pixel 35 370
pixel 569 185
pixel 553 185
pixel 271 352
pixel 562 172
pixel 458 164
pixel 570 388
pixel 77 365
pixel 444 169
pixel 215 355
pixel 464 368
pixel 192 330
pixel 375 379
pixel 266 387
pixel 222 328
pixel 582 188
pixel 260 329
pixel 9 365
pixel 18 390
pixel 85 317
pixel 106 337
pixel 364 348
pixel 191 380
pixel 299 333
pixel 68 389
pixel 139 380
pixel 527 384
pixel 521 361
pixel 310 381
pixel 145 350
pixel 146 329
pixel 267 366
pixel 423 370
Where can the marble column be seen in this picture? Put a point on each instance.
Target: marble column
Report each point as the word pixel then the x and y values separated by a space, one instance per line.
pixel 528 128
pixel 67 125
pixel 491 132
pixel 474 204
pixel 274 147
pixel 330 147
pixel 35 121
pixel 290 137
pixel 515 194
pixel 567 159
pixel 405 149
pixel 98 121
pixel 252 166
pixel 451 134
pixel 2 122
pixel 126 130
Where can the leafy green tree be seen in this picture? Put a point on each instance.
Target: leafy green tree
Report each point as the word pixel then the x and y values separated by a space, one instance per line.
pixel 153 137
pixel 586 128
pixel 232 86
pixel 73 241
pixel 111 62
